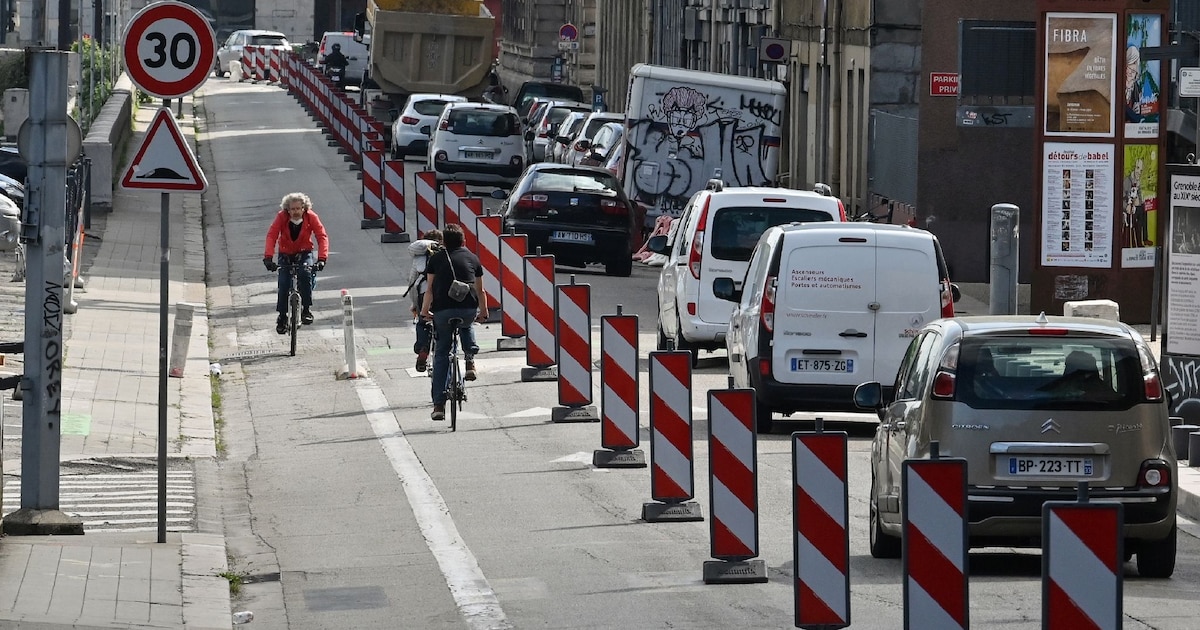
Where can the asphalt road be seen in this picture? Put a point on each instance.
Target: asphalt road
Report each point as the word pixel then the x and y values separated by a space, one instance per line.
pixel 346 507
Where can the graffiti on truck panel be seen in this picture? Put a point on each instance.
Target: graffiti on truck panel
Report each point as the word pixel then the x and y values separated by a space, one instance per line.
pixel 688 137
pixel 1182 381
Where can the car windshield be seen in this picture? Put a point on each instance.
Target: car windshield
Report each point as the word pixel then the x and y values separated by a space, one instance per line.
pixel 565 180
pixel 268 40
pixel 1048 372
pixel 430 107
pixel 559 114
pixel 482 122
pixel 736 229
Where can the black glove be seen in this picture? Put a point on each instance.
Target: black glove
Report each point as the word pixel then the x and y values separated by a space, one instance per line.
pixel 270 265
pixel 320 264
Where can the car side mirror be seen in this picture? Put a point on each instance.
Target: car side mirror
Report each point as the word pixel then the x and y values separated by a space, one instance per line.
pixel 596 157
pixel 657 244
pixel 955 292
pixel 869 396
pixel 498 193
pixel 725 289
pixel 529 135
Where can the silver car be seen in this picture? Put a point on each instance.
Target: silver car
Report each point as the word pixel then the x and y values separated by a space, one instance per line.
pixel 414 125
pixel 1035 405
pixel 231 50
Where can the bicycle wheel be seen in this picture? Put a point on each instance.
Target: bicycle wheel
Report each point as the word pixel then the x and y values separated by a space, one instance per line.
pixel 454 393
pixel 294 318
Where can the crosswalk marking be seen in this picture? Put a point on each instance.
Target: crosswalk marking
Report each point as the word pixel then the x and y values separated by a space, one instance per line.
pixel 125 502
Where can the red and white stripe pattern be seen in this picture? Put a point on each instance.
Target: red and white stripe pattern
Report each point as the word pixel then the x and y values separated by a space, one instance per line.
pixel 1081 566
pixel 935 543
pixel 513 248
pixel 619 401
pixel 393 196
pixel 733 474
pixel 822 546
pixel 372 185
pixel 539 311
pixel 470 209
pixel 452 194
pixel 247 64
pixel 573 332
pixel 672 471
pixel 260 63
pixel 274 65
pixel 487 232
pixel 425 185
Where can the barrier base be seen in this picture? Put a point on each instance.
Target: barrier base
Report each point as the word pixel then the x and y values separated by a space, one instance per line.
pixel 34 522
pixel 510 343
pixel 530 374
pixel 738 572
pixel 659 512
pixel 345 374
pixel 368 224
pixel 631 458
pixel 395 237
pixel 586 413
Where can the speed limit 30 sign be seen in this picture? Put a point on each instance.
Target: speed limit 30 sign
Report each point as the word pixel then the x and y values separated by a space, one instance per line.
pixel 169 49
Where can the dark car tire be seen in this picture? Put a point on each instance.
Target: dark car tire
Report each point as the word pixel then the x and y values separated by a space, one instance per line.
pixel 883 545
pixel 1156 558
pixel 684 344
pixel 663 342
pixel 621 267
pixel 764 421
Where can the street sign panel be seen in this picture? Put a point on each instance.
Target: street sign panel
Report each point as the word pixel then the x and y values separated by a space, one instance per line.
pixel 568 32
pixel 1189 82
pixel 164 161
pixel 774 49
pixel 169 49
pixel 943 84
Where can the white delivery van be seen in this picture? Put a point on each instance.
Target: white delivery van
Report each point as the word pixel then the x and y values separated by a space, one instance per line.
pixel 686 127
pixel 826 306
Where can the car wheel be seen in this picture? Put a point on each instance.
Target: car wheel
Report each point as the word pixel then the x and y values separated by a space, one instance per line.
pixel 763 420
pixel 1156 558
pixel 663 342
pixel 882 544
pixel 622 267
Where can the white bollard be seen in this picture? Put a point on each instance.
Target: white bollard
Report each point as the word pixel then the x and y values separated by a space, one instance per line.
pixel 181 338
pixel 350 369
pixel 235 71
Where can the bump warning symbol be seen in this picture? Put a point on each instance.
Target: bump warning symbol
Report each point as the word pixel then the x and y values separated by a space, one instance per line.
pixel 164 161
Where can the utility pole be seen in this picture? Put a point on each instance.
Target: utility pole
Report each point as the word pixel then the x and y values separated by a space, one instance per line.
pixel 64 24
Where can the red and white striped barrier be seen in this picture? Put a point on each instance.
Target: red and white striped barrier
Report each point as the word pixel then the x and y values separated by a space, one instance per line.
pixel 619 399
pixel 274 65
pixel 487 235
pixel 469 210
pixel 393 203
pixel 260 63
pixel 539 318
pixel 372 186
pixel 733 489
pixel 573 353
pixel 672 471
pixel 1081 565
pixel 821 553
pixel 247 64
pixel 425 185
pixel 513 248
pixel 935 543
pixel 452 194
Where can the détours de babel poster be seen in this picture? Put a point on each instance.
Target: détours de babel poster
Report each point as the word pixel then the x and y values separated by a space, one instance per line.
pixel 1077 204
pixel 1080 79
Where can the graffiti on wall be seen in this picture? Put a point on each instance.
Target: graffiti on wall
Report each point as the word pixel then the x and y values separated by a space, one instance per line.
pixel 689 136
pixel 1182 381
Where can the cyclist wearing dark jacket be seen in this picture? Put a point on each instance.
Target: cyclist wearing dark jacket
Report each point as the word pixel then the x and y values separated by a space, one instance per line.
pixel 292 233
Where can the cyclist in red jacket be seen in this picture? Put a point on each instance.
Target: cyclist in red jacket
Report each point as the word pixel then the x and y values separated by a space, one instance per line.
pixel 292 233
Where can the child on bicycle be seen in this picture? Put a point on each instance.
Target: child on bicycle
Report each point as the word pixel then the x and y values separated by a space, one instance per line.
pixel 421 249
pixel 292 233
pixel 454 264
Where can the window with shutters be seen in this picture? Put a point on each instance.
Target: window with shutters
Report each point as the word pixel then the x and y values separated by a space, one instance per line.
pixel 996 63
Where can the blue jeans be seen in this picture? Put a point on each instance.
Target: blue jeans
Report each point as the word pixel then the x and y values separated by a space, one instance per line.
pixel 441 355
pixel 308 282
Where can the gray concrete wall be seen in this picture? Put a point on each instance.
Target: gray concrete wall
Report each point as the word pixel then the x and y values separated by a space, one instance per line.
pixel 107 140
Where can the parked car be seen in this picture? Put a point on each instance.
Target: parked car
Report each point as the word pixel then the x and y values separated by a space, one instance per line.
pixel 560 143
pixel 10 225
pixel 231 50
pixel 715 235
pixel 545 122
pixel 531 89
pixel 609 136
pixel 355 52
pixel 579 214
pixel 1036 405
pixel 826 306
pixel 581 142
pixel 412 128
pixel 614 162
pixel 12 164
pixel 479 143
pixel 13 190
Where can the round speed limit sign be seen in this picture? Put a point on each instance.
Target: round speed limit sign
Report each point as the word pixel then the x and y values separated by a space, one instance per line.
pixel 169 49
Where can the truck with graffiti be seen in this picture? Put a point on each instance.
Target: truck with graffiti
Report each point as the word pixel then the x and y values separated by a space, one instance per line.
pixel 686 127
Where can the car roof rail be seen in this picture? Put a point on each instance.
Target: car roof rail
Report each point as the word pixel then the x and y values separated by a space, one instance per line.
pixel 823 189
pixel 715 184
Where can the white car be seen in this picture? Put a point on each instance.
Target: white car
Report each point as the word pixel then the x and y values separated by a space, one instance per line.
pixel 560 140
pixel 356 54
pixel 414 125
pixel 715 236
pixel 543 126
pixel 478 143
pixel 231 50
pixel 582 141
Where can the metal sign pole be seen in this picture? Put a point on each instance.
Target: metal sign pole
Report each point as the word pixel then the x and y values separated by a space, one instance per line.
pixel 163 299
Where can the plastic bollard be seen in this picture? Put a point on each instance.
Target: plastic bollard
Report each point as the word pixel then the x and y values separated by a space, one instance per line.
pixel 1194 449
pixel 1179 439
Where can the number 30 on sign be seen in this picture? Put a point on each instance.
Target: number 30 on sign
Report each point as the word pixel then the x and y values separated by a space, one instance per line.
pixel 169 49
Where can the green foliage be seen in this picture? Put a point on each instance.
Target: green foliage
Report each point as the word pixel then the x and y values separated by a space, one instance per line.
pixel 13 73
pixel 96 83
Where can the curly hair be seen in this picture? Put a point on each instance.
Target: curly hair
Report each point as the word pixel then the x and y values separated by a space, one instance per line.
pixel 296 196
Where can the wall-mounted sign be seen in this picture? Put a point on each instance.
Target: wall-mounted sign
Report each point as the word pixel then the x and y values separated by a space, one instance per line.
pixel 1189 82
pixel 1077 204
pixel 1080 78
pixel 1142 76
pixel 943 84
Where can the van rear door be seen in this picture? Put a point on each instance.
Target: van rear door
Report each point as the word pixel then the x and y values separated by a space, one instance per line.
pixel 908 293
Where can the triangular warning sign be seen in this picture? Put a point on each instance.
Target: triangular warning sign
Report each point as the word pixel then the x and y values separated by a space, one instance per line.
pixel 164 161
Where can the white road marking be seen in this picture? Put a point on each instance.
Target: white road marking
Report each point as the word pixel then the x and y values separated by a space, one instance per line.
pixel 529 413
pixel 477 602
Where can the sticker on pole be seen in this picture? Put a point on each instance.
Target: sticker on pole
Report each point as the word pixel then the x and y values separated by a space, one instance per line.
pixel 164 161
pixel 169 49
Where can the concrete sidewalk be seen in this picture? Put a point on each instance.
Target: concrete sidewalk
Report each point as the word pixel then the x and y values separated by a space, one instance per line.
pixel 117 575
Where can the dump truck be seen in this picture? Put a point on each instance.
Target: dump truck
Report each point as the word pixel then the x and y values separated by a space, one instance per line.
pixel 425 46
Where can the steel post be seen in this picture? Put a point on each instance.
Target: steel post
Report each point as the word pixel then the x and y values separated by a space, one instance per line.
pixel 1005 247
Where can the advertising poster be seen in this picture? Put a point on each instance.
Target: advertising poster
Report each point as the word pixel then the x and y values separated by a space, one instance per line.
pixel 1139 205
pixel 1080 79
pixel 1142 78
pixel 1077 204
pixel 1183 268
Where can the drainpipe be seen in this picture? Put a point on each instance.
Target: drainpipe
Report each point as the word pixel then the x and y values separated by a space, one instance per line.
pixel 835 105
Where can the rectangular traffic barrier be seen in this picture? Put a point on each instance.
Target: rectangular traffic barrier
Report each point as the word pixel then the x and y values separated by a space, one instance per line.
pixel 620 402
pixel 573 353
pixel 469 210
pixel 935 542
pixel 372 188
pixel 487 248
pixel 539 318
pixel 1082 554
pixel 426 187
pixel 454 192
pixel 513 248
pixel 821 548
pixel 672 469
pixel 393 202
pixel 733 489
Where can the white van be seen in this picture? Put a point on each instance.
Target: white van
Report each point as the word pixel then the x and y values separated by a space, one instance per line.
pixel 478 143
pixel 715 237
pixel 355 52
pixel 826 306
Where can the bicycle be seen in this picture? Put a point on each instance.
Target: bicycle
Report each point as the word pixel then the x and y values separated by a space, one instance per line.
pixel 456 389
pixel 295 264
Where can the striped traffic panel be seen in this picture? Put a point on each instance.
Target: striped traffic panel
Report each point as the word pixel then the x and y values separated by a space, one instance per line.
pixel 1082 554
pixel 539 318
pixel 672 471
pixel 428 217
pixel 513 248
pixel 452 193
pixel 487 239
pixel 260 63
pixel 733 494
pixel 273 65
pixel 247 64
pixel 620 434
pixel 372 187
pixel 935 543
pixel 573 353
pixel 393 202
pixel 470 209
pixel 821 551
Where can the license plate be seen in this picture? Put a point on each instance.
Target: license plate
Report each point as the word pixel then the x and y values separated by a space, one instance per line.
pixel 571 237
pixel 478 155
pixel 845 366
pixel 1049 466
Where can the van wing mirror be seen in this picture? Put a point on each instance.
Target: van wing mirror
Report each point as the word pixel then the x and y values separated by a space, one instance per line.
pixel 725 289
pixel 657 244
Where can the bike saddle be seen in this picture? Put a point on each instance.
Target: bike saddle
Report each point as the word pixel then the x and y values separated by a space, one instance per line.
pixel 455 321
